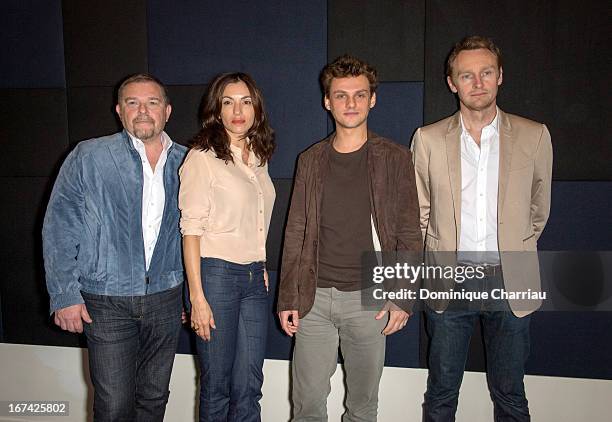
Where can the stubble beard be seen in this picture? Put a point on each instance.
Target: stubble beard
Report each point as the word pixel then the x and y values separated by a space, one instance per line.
pixel 144 134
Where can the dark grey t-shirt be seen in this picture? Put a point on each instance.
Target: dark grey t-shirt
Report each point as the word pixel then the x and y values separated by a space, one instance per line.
pixel 345 231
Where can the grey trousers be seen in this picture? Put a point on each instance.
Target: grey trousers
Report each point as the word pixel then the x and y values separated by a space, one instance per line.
pixel 337 318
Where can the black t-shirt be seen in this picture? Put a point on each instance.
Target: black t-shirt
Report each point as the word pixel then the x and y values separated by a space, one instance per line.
pixel 345 231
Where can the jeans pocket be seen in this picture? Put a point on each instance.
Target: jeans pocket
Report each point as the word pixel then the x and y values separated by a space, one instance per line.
pixel 95 304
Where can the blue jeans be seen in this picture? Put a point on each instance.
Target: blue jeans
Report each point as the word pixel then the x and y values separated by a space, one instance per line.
pixel 132 341
pixel 231 363
pixel 506 339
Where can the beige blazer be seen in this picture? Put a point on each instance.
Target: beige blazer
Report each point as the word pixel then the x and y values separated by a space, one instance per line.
pixel 523 204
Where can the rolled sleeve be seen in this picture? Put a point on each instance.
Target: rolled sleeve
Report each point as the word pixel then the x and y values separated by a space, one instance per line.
pixel 194 194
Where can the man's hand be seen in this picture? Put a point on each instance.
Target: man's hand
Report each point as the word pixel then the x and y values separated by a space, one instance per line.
pixel 398 318
pixel 71 318
pixel 183 316
pixel 266 280
pixel 290 321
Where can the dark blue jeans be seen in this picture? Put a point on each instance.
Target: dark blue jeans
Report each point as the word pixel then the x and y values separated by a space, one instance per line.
pixel 132 341
pixel 506 339
pixel 231 363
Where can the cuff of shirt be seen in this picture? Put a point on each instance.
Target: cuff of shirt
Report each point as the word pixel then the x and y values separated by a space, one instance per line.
pixel 192 226
pixel 192 231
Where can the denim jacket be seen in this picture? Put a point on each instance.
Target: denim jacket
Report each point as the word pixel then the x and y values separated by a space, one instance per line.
pixel 92 232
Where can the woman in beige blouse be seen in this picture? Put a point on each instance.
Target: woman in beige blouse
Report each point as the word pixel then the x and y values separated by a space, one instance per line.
pixel 226 198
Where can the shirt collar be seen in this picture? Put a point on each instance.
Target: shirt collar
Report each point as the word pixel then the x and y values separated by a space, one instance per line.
pixel 139 145
pixel 493 125
pixel 237 151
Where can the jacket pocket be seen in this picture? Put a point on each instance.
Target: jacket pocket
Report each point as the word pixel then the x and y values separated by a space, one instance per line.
pixel 94 250
pixel 530 243
pixel 431 242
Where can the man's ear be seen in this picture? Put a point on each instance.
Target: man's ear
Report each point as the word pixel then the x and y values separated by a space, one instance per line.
pixel 373 100
pixel 118 111
pixel 326 102
pixel 501 76
pixel 451 85
pixel 168 112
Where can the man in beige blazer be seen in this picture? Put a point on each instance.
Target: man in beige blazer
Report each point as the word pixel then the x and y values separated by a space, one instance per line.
pixel 483 179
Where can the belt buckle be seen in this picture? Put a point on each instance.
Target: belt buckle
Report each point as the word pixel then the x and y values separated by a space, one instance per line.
pixel 491 270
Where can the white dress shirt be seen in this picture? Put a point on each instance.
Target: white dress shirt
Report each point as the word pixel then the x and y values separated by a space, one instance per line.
pixel 153 194
pixel 479 184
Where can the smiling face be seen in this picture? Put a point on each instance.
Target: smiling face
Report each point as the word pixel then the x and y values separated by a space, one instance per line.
pixel 349 101
pixel 143 110
pixel 475 79
pixel 237 111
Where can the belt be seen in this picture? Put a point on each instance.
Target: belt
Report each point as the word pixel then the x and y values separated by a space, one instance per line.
pixel 487 269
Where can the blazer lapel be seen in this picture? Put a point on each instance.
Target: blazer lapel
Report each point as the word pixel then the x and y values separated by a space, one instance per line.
pixel 320 168
pixel 374 176
pixel 453 156
pixel 506 146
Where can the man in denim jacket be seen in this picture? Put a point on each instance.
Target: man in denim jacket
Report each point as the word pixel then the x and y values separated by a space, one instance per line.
pixel 112 253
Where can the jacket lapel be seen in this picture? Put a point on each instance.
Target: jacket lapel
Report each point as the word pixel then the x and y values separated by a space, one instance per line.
pixel 453 156
pixel 506 146
pixel 320 168
pixel 127 170
pixel 375 180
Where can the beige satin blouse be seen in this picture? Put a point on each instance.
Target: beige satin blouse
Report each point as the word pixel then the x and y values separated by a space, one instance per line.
pixel 228 205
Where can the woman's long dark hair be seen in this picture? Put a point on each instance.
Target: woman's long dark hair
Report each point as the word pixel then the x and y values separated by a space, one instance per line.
pixel 213 135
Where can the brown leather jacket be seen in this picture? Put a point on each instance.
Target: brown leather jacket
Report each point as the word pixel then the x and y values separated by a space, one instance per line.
pixel 393 201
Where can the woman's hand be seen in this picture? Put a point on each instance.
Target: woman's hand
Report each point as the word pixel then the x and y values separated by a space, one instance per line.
pixel 202 319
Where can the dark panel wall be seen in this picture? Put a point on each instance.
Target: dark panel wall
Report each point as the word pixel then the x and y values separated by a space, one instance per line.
pixel 33 127
pixel 282 45
pixel 398 111
pixel 34 140
pixel 104 41
pixel 184 121
pixel 66 59
pixel 554 71
pixel 32 45
pixel 389 34
pixel 91 112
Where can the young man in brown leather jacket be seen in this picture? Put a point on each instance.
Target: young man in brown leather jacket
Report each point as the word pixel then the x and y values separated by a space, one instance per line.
pixel 353 192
